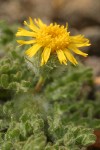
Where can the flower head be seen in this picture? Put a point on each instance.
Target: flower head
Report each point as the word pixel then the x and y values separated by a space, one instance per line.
pixel 52 39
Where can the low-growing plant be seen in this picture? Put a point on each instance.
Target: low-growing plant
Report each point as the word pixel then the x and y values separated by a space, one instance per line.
pixel 44 108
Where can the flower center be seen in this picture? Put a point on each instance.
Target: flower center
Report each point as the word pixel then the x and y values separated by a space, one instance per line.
pixel 53 36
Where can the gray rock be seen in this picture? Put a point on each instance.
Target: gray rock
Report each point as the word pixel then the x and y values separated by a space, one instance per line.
pixel 94 63
pixel 80 13
pixel 93 33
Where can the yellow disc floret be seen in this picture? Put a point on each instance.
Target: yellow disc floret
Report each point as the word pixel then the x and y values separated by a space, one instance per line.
pixel 53 36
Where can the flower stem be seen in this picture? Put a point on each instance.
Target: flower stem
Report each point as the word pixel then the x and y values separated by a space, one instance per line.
pixel 39 84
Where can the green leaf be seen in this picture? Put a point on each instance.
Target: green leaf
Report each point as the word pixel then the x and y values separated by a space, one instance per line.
pixel 4 80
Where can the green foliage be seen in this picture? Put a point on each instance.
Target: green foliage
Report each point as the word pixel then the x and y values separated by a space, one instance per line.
pixel 14 75
pixel 34 130
pixel 7 33
pixel 75 80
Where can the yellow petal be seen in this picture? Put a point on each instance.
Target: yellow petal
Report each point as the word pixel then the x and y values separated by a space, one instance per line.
pixel 42 61
pixel 21 42
pixel 31 21
pixel 23 32
pixel 79 41
pixel 77 51
pixel 61 56
pixel 77 37
pixel 32 51
pixel 39 22
pixel 82 44
pixel 70 57
pixel 31 25
pixel 45 55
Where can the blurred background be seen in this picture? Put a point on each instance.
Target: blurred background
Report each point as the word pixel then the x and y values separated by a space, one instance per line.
pixel 83 16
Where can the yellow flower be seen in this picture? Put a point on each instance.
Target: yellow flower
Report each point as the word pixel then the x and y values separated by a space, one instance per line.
pixel 52 39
